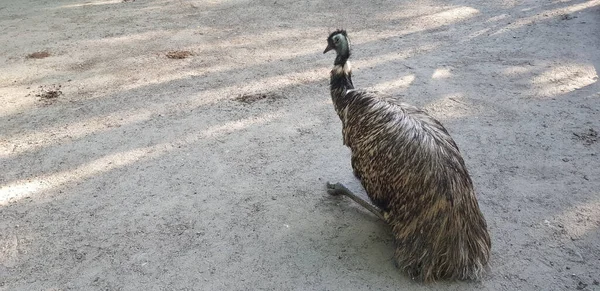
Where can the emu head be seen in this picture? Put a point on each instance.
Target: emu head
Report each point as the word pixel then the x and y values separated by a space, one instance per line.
pixel 338 41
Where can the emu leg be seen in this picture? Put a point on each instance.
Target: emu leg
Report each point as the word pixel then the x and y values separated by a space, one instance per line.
pixel 338 188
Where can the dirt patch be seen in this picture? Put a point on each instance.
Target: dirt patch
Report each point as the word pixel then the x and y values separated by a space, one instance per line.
pixel 253 97
pixel 136 175
pixel 179 54
pixel 38 55
pixel 588 137
pixel 48 94
pixel 567 16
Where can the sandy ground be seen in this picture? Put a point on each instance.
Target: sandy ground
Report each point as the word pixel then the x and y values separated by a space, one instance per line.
pixel 184 145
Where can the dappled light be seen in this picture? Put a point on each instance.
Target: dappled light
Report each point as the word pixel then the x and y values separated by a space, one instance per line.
pixel 564 78
pixel 519 23
pixel 236 125
pixel 579 220
pixel 403 82
pixel 476 34
pixel 441 73
pixel 16 191
pixel 444 17
pixel 14 97
pixel 148 163
pixel 24 142
pixel 497 18
pixel 130 72
pixel 515 71
pixel 92 3
pixel 396 55
pixel 451 15
pixel 21 189
pixel 452 106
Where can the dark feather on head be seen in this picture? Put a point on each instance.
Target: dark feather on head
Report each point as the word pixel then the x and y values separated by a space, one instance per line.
pixel 333 42
pixel 342 31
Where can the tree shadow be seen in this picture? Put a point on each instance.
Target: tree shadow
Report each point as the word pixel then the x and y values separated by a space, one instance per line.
pixel 195 189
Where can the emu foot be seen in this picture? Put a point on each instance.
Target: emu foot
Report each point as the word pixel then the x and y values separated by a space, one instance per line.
pixel 339 189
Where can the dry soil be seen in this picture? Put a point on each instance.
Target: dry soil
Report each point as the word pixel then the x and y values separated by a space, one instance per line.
pixel 185 145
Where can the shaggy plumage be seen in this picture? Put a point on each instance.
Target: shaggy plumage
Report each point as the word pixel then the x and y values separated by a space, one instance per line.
pixel 413 172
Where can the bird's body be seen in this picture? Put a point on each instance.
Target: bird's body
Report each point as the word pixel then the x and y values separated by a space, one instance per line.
pixel 412 170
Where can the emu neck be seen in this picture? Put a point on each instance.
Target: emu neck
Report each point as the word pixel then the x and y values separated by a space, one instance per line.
pixel 341 76
pixel 342 56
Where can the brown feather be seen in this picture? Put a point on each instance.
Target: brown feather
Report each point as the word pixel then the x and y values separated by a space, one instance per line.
pixel 412 169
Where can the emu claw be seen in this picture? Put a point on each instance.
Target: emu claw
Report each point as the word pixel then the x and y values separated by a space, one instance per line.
pixel 333 189
pixel 339 189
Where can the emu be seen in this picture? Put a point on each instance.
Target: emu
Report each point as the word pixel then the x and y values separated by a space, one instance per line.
pixel 414 174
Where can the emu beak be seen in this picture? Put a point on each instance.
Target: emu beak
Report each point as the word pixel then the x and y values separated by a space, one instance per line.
pixel 328 48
